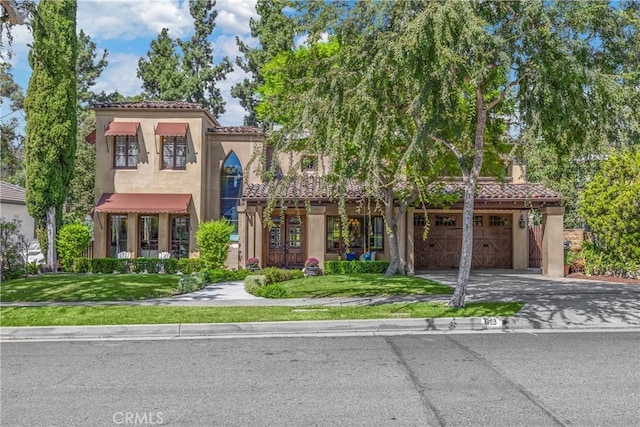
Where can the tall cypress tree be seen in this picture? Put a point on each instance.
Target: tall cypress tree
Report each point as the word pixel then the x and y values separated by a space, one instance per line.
pixel 50 106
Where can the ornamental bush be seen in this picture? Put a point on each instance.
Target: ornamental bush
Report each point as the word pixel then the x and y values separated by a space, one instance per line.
pixel 213 241
pixel 610 204
pixel 71 242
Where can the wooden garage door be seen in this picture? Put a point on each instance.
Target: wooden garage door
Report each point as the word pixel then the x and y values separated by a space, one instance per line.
pixel 442 247
pixel 492 241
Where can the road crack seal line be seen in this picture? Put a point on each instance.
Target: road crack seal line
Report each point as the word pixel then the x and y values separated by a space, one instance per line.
pixel 416 383
pixel 516 385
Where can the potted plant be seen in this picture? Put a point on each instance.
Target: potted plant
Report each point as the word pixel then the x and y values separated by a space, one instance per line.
pixel 311 266
pixel 253 264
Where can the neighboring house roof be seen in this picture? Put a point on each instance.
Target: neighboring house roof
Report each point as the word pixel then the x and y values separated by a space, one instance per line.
pixel 488 191
pixel 153 105
pixel 11 193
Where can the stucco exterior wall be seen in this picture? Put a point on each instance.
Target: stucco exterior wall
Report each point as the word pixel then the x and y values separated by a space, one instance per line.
pixel 11 211
pixel 149 177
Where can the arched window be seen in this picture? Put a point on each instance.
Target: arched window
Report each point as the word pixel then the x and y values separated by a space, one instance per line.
pixel 231 191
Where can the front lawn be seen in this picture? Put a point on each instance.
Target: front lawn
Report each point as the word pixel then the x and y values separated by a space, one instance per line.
pixel 137 315
pixel 362 285
pixel 88 287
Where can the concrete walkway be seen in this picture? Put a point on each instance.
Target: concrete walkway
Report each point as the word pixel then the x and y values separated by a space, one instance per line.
pixel 551 303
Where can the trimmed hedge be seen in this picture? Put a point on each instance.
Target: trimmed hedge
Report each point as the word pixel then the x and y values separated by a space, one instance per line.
pixel 355 267
pixel 266 284
pixel 121 265
pixel 191 283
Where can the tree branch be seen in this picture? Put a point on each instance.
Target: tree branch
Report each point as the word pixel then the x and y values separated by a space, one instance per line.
pixel 504 92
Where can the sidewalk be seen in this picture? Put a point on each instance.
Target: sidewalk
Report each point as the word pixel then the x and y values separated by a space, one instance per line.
pixel 551 303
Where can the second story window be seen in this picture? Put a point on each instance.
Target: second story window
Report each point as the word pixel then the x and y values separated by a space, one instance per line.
pixel 174 152
pixel 309 163
pixel 126 152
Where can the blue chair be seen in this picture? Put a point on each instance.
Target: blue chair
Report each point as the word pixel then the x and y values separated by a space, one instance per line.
pixel 350 256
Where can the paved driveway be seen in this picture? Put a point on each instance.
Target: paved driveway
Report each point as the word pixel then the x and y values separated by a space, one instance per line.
pixel 559 301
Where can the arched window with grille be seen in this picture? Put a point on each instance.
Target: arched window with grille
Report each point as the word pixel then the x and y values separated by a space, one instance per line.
pixel 231 191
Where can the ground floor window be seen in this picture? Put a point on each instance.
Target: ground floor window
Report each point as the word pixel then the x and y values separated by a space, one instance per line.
pixel 118 234
pixel 148 236
pixel 365 233
pixel 180 237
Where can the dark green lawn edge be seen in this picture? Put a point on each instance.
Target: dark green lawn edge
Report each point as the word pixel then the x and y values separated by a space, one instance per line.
pixel 145 315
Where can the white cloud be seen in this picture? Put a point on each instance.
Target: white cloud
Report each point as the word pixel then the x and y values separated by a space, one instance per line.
pixel 19 47
pixel 234 15
pixel 120 75
pixel 234 114
pixel 127 20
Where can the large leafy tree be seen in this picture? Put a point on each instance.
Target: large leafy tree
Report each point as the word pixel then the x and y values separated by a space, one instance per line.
pixel 187 73
pixel 275 32
pixel 450 76
pixel 50 106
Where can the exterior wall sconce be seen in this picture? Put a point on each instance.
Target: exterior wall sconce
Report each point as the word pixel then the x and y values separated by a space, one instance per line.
pixel 522 223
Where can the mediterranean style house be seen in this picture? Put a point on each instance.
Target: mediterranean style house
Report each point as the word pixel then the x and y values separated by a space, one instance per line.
pixel 164 167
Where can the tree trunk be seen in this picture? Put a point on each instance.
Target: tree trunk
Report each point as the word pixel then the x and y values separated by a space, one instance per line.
pixel 470 181
pixel 467 244
pixel 392 223
pixel 51 237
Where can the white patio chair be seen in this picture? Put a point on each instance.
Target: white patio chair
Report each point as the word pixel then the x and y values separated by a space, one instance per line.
pixel 124 255
pixel 164 255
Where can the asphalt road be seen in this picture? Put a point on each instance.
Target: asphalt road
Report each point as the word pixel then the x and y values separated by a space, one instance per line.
pixel 480 379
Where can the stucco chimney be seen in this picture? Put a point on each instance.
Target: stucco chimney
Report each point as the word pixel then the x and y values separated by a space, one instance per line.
pixel 517 172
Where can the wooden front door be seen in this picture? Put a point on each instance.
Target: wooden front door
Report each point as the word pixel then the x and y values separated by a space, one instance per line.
pixel 285 246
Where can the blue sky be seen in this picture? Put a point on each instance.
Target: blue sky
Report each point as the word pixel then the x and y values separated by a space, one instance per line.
pixel 126 27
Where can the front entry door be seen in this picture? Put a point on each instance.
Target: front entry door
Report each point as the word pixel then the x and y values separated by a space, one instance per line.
pixel 286 243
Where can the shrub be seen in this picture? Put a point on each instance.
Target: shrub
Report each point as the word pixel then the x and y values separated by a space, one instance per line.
pixel 190 265
pixel 253 263
pixel 191 283
pixel 355 267
pixel 217 275
pixel 150 265
pixel 276 275
pixel 274 290
pixel 312 262
pixel 12 248
pixel 31 268
pixel 213 240
pixel 252 283
pixel 71 242
pixel 81 265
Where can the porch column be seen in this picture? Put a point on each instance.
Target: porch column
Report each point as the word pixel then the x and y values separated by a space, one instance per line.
pixel 552 241
pixel 316 233
pixel 164 233
pixel 410 245
pixel 520 240
pixel 132 234
pixel 100 236
pixel 241 251
pixel 258 229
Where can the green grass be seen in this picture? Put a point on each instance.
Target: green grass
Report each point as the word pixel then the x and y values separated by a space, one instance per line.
pixel 362 285
pixel 88 287
pixel 136 315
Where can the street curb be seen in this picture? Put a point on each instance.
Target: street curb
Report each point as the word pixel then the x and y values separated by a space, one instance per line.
pixel 326 327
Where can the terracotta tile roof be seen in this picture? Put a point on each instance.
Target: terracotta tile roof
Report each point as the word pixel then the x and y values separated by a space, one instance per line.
pixel 492 190
pixel 11 193
pixel 235 129
pixel 318 189
pixel 137 105
pixel 311 187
